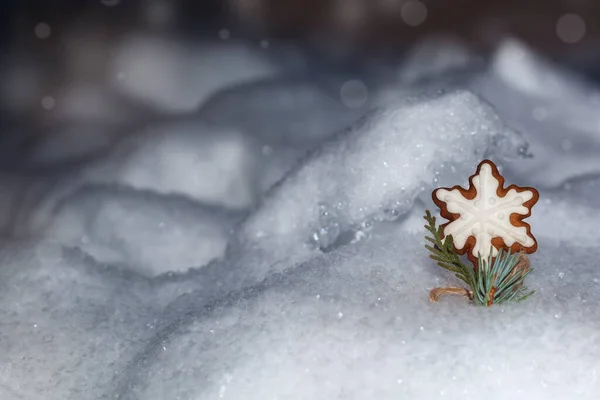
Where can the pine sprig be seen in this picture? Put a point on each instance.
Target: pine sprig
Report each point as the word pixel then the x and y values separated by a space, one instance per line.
pixel 500 280
pixel 496 280
pixel 442 252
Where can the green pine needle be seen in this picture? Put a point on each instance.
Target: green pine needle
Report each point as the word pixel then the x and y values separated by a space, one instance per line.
pixel 495 281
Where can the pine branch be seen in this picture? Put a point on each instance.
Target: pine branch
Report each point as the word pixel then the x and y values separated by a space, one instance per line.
pixel 501 279
pixel 443 253
pixel 496 280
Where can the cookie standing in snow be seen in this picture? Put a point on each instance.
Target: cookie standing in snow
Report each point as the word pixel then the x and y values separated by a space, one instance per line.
pixel 486 216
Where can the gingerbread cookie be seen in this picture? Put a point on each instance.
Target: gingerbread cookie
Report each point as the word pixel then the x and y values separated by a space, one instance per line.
pixel 486 216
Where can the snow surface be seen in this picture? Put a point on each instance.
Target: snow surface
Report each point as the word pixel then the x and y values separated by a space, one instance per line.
pixel 112 224
pixel 170 265
pixel 299 116
pixel 69 143
pixel 177 77
pixel 374 171
pixel 68 325
pixel 434 57
pixel 214 166
pixel 557 113
pixel 357 324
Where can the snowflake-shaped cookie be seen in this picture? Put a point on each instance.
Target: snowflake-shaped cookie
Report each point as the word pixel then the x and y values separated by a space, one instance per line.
pixel 486 214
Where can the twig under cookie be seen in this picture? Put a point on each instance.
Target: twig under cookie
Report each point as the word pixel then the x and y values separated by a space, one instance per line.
pixel 496 279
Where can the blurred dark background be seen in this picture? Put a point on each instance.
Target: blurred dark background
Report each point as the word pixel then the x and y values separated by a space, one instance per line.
pixel 375 26
pixel 46 43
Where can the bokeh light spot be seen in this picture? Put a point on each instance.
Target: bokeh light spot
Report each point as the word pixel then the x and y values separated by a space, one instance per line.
pixel 570 28
pixel 48 102
pixel 43 30
pixel 414 13
pixel 354 93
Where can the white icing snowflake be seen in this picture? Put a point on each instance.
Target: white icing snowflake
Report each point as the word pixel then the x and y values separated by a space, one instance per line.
pixel 487 211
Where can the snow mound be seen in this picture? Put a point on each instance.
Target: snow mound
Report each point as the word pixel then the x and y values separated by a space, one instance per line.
pixel 177 77
pixel 373 172
pixel 556 112
pixel 213 166
pixel 321 292
pixel 69 326
pixel 358 324
pixel 298 116
pixel 148 232
pixel 87 101
pixel 435 57
pixel 299 112
pixel 523 70
pixel 218 168
pixel 69 143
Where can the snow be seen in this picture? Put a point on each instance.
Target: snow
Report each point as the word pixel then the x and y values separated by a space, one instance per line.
pixel 556 112
pixel 70 142
pixel 523 70
pixel 301 114
pixel 577 221
pixel 299 117
pixel 69 325
pixel 86 101
pixel 212 165
pixel 176 77
pixel 148 232
pixel 270 245
pixel 375 171
pixel 434 57
pixel 358 324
